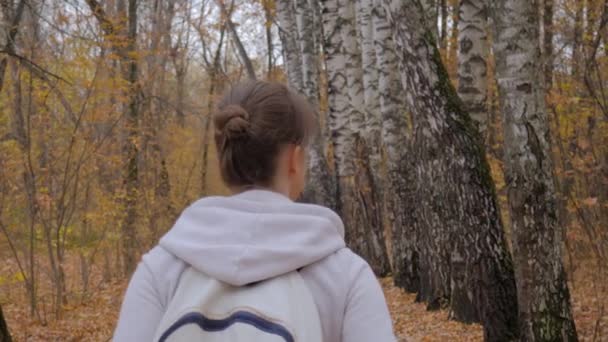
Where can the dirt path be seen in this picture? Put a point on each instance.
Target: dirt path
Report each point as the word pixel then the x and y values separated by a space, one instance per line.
pixel 413 322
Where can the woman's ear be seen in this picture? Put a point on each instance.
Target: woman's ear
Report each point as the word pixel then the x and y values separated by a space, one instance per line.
pixel 298 160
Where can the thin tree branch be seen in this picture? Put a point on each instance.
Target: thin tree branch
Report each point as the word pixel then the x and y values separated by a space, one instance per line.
pixel 239 44
pixel 33 65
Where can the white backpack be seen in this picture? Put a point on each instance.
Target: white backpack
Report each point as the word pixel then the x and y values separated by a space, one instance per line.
pixel 280 309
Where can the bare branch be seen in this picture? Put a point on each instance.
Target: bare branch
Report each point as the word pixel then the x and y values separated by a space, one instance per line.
pixel 32 64
pixel 239 44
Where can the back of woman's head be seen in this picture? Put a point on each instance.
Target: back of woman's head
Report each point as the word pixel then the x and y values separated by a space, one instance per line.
pixel 253 121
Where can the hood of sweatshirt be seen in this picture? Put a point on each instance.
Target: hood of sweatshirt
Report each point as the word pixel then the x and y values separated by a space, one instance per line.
pixel 252 236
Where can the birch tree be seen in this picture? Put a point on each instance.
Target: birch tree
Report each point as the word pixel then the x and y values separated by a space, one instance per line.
pixel 463 259
pixel 396 141
pixel 472 60
pixel 544 299
pixel 307 53
pixel 358 200
pixel 288 33
pixel 371 96
pixel 361 200
pixel 321 187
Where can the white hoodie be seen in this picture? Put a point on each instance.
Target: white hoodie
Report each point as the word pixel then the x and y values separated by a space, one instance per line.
pixel 254 236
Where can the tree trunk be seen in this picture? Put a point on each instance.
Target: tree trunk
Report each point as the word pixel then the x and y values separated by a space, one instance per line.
pixel 463 260
pixel 358 201
pixel 592 14
pixel 268 16
pixel 180 80
pixel 472 61
pixel 23 139
pixel 5 335
pixel 371 96
pixel 131 149
pixel 321 186
pixel 129 72
pixel 288 33
pixel 577 39
pixel 396 140
pixel 548 43
pixel 213 87
pixel 308 50
pixel 153 113
pixel 544 299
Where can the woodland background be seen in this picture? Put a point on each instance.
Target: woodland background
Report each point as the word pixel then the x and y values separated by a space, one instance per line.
pixel 464 143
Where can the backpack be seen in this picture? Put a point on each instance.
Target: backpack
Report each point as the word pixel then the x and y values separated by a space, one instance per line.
pixel 280 309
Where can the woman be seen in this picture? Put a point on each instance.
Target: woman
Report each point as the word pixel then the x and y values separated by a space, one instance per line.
pixel 262 130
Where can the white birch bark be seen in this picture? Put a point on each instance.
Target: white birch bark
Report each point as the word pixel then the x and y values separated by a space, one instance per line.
pixel 354 70
pixel 335 65
pixel 359 200
pixel 371 95
pixel 544 299
pixel 472 57
pixel 370 69
pixel 288 33
pixel 308 50
pixel 321 187
pixel 400 200
pixel 463 260
pixel 394 123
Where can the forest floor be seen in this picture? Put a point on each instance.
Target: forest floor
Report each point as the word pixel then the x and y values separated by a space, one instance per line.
pixel 92 317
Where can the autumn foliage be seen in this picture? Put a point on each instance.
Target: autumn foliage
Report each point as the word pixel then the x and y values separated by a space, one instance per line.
pixel 104 131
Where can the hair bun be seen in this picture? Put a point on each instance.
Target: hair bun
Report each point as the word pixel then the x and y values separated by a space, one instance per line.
pixel 232 122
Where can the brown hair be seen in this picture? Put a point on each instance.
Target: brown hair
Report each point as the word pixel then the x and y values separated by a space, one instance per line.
pixel 252 122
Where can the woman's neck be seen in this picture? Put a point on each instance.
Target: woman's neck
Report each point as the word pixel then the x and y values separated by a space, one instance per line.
pixel 283 190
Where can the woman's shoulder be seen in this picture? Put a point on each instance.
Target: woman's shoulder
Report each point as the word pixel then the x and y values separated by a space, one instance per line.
pixel 164 270
pixel 342 268
pixel 345 257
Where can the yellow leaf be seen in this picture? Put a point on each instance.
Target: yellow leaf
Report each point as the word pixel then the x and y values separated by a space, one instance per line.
pixel 19 276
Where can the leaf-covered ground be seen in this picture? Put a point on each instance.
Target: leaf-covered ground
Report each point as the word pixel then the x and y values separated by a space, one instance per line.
pixel 92 317
pixel 412 322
